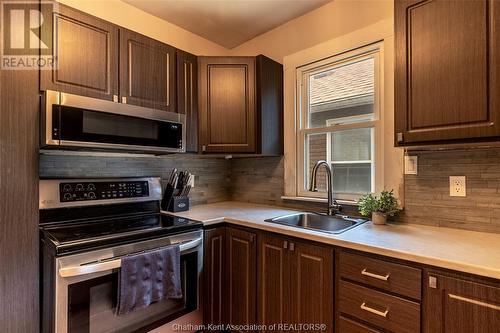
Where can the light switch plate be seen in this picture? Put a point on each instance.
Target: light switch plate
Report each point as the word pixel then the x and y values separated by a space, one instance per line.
pixel 411 165
pixel 457 186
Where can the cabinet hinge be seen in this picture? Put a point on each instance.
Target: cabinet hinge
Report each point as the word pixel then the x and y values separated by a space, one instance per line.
pixel 399 137
pixel 115 98
pixel 432 282
pixel 124 100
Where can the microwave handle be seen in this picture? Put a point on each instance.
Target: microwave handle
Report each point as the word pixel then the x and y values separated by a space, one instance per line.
pixel 102 266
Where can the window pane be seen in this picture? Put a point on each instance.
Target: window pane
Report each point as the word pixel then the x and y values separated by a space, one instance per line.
pixel 342 94
pixel 316 150
pixel 352 178
pixel 351 145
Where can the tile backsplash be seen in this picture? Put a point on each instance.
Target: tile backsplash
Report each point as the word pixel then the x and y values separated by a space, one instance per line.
pixel 211 174
pixel 427 196
pixel 260 180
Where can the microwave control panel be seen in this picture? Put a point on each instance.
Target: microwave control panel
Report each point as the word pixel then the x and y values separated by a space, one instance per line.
pixel 83 191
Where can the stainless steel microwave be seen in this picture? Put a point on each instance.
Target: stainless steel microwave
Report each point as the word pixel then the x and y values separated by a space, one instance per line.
pixel 73 121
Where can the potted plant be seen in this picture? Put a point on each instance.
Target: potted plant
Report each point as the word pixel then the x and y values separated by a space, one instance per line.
pixel 379 208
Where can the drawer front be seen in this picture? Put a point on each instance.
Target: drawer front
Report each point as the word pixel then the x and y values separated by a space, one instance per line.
pixel 389 312
pixel 350 326
pixel 396 278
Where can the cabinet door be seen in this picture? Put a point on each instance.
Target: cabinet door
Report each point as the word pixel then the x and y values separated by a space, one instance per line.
pixel 147 72
pixel 241 261
pixel 86 49
pixel 460 306
pixel 227 104
pixel 214 276
pixel 273 282
pixel 447 70
pixel 311 290
pixel 187 96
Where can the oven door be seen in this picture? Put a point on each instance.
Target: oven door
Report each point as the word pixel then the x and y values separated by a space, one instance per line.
pixel 78 121
pixel 86 288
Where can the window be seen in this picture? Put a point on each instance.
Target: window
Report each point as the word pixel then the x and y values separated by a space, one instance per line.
pixel 338 100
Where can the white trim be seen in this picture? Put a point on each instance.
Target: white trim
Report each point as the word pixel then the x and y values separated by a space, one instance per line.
pixel 303 73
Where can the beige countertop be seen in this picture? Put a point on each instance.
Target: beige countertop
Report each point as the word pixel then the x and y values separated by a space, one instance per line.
pixel 465 251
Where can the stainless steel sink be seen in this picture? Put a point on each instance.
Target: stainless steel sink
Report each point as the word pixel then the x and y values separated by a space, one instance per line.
pixel 325 223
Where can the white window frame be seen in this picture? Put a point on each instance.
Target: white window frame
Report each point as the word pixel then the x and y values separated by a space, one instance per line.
pixel 302 77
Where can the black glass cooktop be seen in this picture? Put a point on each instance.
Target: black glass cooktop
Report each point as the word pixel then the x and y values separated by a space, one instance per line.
pixel 103 232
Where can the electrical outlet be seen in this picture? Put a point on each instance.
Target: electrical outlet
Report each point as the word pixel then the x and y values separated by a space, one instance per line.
pixel 411 165
pixel 457 186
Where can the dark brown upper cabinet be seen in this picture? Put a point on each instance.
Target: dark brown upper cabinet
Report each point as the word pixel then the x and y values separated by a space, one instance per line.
pixel 147 72
pixel 86 49
pixel 456 305
pixel 240 105
pixel 187 96
pixel 447 71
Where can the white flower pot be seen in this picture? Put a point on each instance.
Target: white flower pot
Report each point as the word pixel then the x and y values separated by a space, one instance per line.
pixel 379 218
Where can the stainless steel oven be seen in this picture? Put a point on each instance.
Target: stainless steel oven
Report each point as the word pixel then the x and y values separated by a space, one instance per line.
pixel 74 121
pixel 86 227
pixel 86 284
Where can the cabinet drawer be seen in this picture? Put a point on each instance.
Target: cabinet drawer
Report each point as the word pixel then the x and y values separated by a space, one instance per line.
pixel 396 278
pixel 349 326
pixel 389 312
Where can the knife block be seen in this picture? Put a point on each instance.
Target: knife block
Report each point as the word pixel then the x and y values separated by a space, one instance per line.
pixel 178 204
pixel 172 202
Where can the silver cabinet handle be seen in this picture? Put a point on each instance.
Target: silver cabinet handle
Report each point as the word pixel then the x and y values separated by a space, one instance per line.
pixel 292 247
pixel 115 263
pixel 374 311
pixel 375 276
pixel 285 244
pixel 475 302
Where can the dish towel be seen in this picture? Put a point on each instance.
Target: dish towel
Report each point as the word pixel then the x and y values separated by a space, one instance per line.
pixel 149 277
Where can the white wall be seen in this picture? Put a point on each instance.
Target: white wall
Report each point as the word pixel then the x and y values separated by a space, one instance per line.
pixel 325 23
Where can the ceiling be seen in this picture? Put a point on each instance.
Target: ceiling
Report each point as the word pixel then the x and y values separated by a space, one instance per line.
pixel 227 22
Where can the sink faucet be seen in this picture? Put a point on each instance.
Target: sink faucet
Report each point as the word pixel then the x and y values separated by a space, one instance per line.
pixel 333 206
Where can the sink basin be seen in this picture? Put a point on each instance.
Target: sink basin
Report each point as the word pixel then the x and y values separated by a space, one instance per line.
pixel 319 222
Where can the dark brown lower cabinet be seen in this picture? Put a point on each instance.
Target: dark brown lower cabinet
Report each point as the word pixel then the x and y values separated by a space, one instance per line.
pixel 241 264
pixel 295 285
pixel 455 305
pixel 214 276
pixel 230 277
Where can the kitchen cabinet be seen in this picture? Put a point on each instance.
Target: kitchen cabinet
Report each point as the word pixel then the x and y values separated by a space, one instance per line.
pixel 93 73
pixel 241 261
pixel 240 105
pixel 374 293
pixel 447 71
pixel 187 96
pixel 214 276
pixel 230 276
pixel 147 72
pixel 295 282
pixel 227 104
pixel 459 305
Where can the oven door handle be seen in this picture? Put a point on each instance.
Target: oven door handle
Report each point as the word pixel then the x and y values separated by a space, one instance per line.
pixel 106 265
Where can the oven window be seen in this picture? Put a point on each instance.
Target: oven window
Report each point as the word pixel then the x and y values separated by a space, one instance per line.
pixel 86 126
pixel 92 304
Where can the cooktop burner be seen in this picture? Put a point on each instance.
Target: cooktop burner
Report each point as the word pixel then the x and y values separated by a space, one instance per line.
pixel 104 232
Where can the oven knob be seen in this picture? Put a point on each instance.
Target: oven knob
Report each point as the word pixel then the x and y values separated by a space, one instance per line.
pixel 91 187
pixel 67 188
pixel 67 196
pixel 79 187
pixel 91 195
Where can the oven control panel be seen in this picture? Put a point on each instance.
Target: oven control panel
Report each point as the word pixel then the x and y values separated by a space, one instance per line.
pixel 80 191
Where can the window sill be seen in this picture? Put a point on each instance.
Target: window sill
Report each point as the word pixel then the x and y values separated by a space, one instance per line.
pixel 319 200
